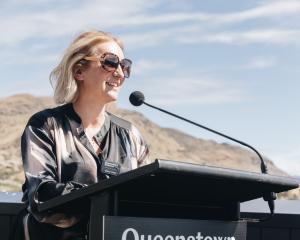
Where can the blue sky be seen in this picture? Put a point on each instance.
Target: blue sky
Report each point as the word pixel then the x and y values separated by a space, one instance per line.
pixel 227 64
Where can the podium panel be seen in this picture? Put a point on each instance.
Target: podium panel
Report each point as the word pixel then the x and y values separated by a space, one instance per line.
pixel 157 199
pixel 131 228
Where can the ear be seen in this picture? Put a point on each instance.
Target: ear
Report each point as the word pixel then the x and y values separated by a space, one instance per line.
pixel 78 74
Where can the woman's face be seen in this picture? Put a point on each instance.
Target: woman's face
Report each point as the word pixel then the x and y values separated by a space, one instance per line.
pixel 97 83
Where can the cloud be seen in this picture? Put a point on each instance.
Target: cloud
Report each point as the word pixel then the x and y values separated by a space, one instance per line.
pixel 274 36
pixel 178 91
pixel 260 63
pixel 143 67
pixel 195 35
pixel 42 22
pixel 65 20
pixel 34 54
pixel 208 28
pixel 168 18
pixel 23 59
pixel 268 10
pixel 147 39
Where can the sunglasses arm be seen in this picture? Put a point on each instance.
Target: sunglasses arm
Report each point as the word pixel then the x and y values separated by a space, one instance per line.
pixel 92 58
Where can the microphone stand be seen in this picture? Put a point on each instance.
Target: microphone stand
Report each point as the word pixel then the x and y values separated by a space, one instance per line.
pixel 270 197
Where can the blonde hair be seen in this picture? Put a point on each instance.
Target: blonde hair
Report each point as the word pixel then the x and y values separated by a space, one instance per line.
pixel 62 77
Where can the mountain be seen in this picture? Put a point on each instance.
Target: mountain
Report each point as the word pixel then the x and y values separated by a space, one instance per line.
pixel 164 143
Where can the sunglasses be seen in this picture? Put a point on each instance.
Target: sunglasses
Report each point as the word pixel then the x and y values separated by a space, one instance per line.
pixel 110 62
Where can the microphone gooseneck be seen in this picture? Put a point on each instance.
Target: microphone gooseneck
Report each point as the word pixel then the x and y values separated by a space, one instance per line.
pixel 137 98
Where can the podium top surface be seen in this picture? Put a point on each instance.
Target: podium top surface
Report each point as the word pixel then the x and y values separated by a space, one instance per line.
pixel 169 180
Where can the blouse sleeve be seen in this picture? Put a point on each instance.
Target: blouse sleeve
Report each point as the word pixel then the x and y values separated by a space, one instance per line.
pixel 141 147
pixel 40 167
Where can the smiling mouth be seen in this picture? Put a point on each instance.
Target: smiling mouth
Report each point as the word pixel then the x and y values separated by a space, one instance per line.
pixel 112 84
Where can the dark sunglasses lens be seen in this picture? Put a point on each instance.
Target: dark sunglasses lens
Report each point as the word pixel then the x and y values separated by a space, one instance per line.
pixel 111 62
pixel 126 67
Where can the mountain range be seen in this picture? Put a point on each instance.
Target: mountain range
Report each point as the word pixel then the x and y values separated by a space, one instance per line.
pixel 164 143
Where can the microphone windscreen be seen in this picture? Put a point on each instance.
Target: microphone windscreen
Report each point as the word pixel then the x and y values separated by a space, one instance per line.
pixel 136 98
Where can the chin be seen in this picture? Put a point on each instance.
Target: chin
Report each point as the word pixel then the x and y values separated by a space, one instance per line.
pixel 112 97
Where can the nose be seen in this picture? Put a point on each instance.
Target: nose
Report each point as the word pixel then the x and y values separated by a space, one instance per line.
pixel 119 72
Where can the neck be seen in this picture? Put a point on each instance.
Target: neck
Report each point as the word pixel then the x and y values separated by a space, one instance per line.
pixel 92 113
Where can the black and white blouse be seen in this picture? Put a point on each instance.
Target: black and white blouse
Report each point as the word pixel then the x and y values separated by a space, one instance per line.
pixel 58 158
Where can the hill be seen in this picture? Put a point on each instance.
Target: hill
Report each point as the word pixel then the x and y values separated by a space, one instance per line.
pixel 165 143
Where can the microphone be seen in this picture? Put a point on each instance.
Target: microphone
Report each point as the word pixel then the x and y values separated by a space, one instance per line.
pixel 137 98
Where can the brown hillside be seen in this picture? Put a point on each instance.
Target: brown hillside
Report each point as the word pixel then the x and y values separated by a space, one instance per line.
pixel 164 143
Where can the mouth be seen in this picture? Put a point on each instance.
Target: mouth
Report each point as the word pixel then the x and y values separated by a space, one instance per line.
pixel 112 84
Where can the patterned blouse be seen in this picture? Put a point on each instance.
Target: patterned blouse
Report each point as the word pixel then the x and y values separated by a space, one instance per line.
pixel 58 158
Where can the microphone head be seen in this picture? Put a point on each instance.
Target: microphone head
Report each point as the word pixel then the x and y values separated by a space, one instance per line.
pixel 137 98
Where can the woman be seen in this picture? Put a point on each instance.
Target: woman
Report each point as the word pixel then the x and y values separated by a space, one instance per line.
pixel 78 143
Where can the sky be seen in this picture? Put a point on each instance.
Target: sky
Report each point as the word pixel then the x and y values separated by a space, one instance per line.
pixel 230 65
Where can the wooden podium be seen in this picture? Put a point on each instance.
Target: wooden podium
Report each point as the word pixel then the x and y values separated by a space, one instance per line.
pixel 165 196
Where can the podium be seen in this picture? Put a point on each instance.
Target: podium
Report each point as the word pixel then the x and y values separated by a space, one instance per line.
pixel 169 195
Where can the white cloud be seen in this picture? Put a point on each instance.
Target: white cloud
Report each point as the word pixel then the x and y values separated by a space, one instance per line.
pixel 67 19
pixel 145 67
pixel 34 54
pixel 269 10
pixel 168 18
pixel 274 36
pixel 147 39
pixel 194 35
pixel 191 91
pixel 260 63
